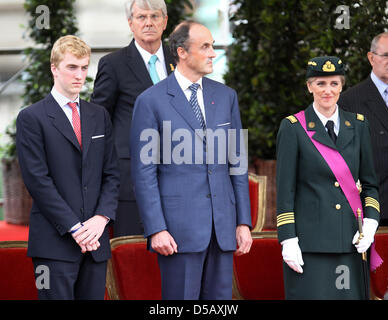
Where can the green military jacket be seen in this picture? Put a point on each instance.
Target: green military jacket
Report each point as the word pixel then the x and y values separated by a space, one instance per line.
pixel 310 202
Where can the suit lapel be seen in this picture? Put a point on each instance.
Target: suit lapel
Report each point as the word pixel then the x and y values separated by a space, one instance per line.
pixel 376 104
pixel 313 123
pixel 180 103
pixel 210 106
pixel 136 64
pixel 169 60
pixel 60 121
pixel 346 132
pixel 88 125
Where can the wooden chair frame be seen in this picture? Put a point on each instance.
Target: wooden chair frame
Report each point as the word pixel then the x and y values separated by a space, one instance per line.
pixel 262 197
pixel 111 284
pixel 255 235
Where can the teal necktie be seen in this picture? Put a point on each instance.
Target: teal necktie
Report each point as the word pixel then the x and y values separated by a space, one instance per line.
pixel 153 73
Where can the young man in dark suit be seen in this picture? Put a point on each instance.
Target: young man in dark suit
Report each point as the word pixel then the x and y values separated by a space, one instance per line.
pixel 121 77
pixel 69 166
pixel 370 98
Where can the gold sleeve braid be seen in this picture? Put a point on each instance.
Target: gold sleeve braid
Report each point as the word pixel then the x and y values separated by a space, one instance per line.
pixel 285 218
pixel 370 202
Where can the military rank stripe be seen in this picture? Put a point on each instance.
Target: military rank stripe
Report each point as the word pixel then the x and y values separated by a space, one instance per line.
pixel 285 218
pixel 370 202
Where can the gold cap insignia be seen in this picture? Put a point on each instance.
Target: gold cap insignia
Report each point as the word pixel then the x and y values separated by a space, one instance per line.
pixel 312 63
pixel 360 117
pixel 347 123
pixel 328 67
pixel 172 67
pixel 311 125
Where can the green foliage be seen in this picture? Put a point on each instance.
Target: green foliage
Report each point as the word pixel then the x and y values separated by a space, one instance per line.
pixel 177 11
pixel 8 149
pixel 274 40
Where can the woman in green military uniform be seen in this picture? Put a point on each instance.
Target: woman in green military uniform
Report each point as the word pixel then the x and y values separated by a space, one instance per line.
pixel 317 227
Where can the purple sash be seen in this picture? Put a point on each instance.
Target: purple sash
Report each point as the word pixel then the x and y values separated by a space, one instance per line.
pixel 345 179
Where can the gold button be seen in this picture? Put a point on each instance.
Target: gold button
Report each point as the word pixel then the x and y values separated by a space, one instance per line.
pixel 336 184
pixel 338 206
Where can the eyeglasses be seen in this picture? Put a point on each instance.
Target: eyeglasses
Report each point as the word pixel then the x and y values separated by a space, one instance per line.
pixel 384 55
pixel 153 17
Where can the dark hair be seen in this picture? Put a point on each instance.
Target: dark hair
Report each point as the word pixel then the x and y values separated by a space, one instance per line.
pixel 179 38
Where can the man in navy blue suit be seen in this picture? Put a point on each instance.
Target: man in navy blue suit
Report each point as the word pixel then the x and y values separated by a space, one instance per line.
pixel 190 172
pixel 69 166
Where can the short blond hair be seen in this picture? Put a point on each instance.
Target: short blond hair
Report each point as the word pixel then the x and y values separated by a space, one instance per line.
pixel 70 44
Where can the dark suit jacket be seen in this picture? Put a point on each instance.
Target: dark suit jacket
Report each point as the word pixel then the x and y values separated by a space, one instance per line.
pixel 121 77
pixel 310 205
pixel 188 198
pixel 364 98
pixel 67 186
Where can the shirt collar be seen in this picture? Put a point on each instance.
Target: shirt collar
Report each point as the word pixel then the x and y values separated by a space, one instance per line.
pixel 183 82
pixel 61 99
pixel 381 86
pixel 334 117
pixel 146 55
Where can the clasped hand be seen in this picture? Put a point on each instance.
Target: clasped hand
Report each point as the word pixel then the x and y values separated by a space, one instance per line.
pixel 88 235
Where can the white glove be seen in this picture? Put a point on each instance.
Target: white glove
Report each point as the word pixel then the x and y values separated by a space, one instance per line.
pixel 369 228
pixel 292 255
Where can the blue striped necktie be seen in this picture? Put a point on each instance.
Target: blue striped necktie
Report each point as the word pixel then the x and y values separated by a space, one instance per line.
pixel 153 74
pixel 386 96
pixel 195 105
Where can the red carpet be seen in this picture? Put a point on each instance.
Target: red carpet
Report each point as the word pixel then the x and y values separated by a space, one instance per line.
pixel 12 232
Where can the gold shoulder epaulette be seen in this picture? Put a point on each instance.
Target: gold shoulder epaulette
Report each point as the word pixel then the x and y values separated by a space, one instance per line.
pixel 360 117
pixel 292 119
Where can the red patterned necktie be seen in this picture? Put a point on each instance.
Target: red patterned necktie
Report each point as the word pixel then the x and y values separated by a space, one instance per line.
pixel 76 121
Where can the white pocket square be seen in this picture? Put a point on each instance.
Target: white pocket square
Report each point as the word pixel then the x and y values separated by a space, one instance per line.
pixel 100 136
pixel 223 124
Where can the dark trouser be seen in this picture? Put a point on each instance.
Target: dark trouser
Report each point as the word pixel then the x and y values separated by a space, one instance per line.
pixel 127 220
pixel 206 275
pixel 80 280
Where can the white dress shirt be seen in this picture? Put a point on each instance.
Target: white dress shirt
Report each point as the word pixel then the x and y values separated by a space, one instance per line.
pixel 335 118
pixel 185 83
pixel 63 103
pixel 160 64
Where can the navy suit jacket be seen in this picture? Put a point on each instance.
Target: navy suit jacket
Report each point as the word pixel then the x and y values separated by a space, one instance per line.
pixel 188 198
pixel 121 77
pixel 67 185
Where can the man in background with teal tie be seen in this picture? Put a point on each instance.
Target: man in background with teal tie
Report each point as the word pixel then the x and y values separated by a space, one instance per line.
pixel 121 77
